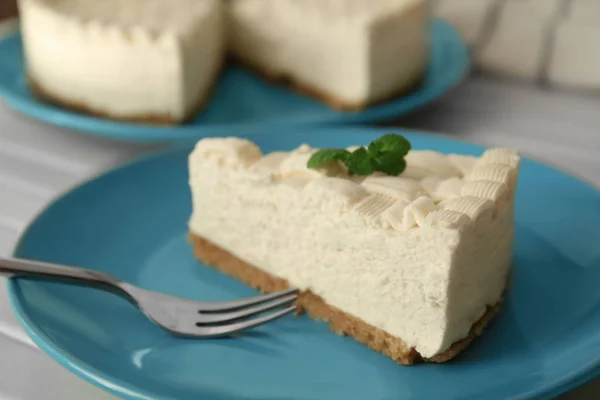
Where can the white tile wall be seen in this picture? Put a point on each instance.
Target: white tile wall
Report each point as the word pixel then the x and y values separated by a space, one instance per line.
pixel 546 42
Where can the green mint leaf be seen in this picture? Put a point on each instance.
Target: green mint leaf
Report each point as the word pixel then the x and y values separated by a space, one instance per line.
pixel 390 143
pixel 360 162
pixel 388 153
pixel 385 154
pixel 325 155
pixel 394 168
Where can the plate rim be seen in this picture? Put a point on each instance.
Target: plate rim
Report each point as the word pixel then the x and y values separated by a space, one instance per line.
pixel 116 386
pixel 144 133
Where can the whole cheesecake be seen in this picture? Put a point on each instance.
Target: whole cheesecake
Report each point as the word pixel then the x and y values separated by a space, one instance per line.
pixel 141 60
pixel 413 265
pixel 157 60
pixel 347 53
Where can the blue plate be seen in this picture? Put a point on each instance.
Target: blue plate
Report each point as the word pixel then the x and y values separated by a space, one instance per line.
pixel 243 103
pixel 131 222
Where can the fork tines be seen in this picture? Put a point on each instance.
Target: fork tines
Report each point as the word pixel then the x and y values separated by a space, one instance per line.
pixel 212 318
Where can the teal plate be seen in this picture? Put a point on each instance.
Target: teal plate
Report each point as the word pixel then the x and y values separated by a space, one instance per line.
pixel 243 102
pixel 131 222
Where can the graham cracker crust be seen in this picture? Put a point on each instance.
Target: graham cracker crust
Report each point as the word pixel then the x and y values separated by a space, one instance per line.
pixel 340 322
pixel 51 98
pixel 332 101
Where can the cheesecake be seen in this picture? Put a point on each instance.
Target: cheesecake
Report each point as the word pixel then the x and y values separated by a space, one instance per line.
pixel 156 61
pixel 413 265
pixel 347 53
pixel 139 60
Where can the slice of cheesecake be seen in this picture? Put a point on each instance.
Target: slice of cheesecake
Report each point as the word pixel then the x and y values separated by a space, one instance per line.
pixel 141 60
pixel 413 265
pixel 348 53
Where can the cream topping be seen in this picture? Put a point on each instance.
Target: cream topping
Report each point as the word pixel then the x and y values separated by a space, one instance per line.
pixel 154 16
pixel 433 182
pixel 337 12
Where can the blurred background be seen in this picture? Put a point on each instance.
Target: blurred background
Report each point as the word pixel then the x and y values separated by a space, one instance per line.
pixel 534 86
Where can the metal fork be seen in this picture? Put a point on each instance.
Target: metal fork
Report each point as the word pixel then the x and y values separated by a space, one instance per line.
pixel 177 315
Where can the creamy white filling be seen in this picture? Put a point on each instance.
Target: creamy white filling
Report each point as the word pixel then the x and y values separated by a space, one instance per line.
pixel 125 60
pixel 378 248
pixel 358 51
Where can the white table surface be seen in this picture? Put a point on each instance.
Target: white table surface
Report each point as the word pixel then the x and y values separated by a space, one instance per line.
pixel 38 162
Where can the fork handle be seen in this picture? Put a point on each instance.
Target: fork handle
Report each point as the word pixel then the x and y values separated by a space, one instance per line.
pixel 19 266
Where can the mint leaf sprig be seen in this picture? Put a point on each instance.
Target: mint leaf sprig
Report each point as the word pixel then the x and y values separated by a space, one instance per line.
pixel 385 154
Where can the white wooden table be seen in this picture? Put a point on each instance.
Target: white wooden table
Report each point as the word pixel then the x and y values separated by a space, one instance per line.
pixel 37 162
